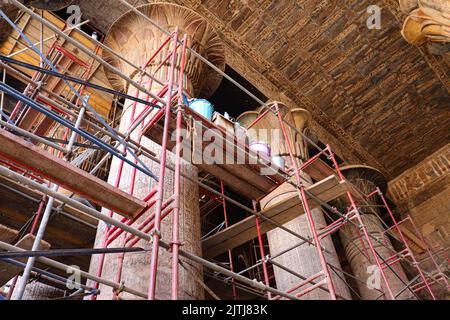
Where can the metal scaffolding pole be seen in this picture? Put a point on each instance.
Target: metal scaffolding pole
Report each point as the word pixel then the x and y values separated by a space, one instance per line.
pixel 94 213
pixel 46 216
pixel 83 48
pixel 2 95
pixel 128 145
pixel 65 268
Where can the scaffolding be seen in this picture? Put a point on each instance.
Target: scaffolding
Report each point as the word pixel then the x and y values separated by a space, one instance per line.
pixel 166 113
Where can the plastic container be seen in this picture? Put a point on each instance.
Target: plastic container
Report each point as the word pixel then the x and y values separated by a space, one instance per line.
pixel 221 121
pixel 261 148
pixel 203 107
pixel 279 162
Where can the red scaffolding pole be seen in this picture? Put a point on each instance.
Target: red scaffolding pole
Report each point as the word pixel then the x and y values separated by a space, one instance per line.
pixel 160 195
pixel 173 92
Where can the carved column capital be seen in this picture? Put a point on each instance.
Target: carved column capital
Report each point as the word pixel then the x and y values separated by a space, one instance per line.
pixel 135 38
pixel 299 118
pixel 426 20
pixel 365 178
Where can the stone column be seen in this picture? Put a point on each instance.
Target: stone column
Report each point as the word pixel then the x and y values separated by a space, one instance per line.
pixel 136 39
pixel 39 291
pixel 304 259
pixel 367 179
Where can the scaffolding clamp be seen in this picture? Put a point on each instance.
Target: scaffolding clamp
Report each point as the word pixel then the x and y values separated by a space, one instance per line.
pixel 120 289
pixel 58 209
pixel 259 284
pixel 139 151
pixel 171 243
pixel 39 85
pixel 157 232
pixel 94 291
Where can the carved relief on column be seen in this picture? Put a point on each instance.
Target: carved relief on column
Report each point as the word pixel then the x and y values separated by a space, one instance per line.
pixel 304 259
pixel 136 39
pixel 356 247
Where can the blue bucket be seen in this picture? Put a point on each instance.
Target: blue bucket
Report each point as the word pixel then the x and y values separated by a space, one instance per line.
pixel 202 107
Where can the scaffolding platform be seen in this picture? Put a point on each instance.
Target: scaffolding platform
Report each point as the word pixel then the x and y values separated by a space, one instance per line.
pixel 284 211
pixel 7 234
pixel 246 179
pixel 281 200
pixel 9 271
pixel 66 175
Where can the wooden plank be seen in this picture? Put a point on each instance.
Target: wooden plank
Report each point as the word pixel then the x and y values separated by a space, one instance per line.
pixel 7 234
pixel 9 271
pixel 68 176
pixel 38 195
pixel 318 170
pixel 288 205
pixel 235 183
pixel 254 178
pixel 287 209
pixel 414 242
pixel 245 179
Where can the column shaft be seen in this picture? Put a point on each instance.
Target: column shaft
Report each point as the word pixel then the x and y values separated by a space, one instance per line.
pixel 137 40
pixel 356 246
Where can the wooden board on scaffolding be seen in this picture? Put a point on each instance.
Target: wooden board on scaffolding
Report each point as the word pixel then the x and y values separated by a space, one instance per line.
pixel 9 271
pixel 245 179
pixel 414 242
pixel 68 176
pixel 100 101
pixel 318 170
pixel 289 208
pixel 34 194
pixel 7 234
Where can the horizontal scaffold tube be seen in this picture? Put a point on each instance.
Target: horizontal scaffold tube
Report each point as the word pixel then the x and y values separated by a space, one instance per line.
pixel 67 252
pixel 84 274
pixel 94 213
pixel 32 136
pixel 85 49
pixel 77 80
pixel 19 96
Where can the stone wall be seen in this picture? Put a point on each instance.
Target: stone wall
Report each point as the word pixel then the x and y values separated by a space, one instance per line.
pixel 39 291
pixel 424 192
